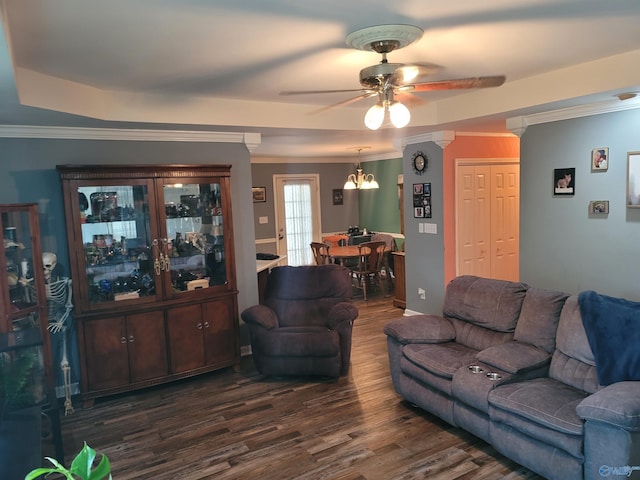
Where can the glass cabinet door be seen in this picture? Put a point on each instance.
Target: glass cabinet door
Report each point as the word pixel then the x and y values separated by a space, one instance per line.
pixel 118 242
pixel 194 250
pixel 21 294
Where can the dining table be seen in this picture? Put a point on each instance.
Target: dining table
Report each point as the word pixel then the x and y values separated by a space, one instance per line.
pixel 343 253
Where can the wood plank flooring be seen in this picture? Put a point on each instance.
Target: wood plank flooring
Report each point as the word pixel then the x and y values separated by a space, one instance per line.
pixel 240 425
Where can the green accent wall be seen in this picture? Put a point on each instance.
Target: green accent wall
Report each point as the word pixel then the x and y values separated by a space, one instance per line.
pixel 379 210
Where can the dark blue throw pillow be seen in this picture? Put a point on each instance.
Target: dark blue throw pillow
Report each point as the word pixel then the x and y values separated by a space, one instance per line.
pixel 612 326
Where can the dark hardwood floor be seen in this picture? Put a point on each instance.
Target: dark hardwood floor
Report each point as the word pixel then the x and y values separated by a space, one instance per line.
pixel 240 425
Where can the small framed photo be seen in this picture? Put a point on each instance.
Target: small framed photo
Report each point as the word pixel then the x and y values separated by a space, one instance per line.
pixel 418 212
pixel 337 196
pixel 598 207
pixel 633 179
pixel 600 159
pixel 564 181
pixel 259 194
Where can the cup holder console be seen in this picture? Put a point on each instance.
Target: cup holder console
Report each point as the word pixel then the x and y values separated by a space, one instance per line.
pixel 494 376
pixel 476 369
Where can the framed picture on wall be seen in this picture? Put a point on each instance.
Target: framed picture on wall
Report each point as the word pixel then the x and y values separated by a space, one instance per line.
pixel 564 181
pixel 422 200
pixel 633 179
pixel 600 159
pixel 599 207
pixel 259 194
pixel 337 196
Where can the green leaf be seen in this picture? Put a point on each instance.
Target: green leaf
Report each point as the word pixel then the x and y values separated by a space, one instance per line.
pixel 102 470
pixel 81 465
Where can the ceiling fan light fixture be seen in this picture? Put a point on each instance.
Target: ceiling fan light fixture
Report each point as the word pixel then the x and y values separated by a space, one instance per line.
pixel 399 114
pixel 374 117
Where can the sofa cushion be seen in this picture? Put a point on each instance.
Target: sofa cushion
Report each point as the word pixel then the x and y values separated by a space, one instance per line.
pixel 571 339
pixel 542 408
pixel 442 359
pixel 489 303
pixel 573 362
pixel 514 357
pixel 573 372
pixel 539 318
pixel 478 338
pixel 420 329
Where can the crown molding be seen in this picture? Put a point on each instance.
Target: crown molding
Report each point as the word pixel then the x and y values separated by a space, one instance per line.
pixel 441 138
pixel 250 139
pixel 518 125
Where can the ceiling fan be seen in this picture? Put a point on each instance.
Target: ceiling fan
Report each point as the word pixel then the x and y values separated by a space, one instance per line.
pixel 395 83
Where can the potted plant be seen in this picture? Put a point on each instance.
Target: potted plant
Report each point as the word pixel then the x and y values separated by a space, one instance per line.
pixel 81 467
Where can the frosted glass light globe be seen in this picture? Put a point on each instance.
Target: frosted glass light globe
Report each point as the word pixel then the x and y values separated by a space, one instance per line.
pixel 399 114
pixel 374 117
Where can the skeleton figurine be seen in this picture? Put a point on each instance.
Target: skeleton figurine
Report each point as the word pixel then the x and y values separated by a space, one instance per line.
pixel 49 262
pixel 59 301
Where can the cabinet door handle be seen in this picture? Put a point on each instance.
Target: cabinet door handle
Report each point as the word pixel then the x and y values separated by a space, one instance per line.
pixel 123 339
pixel 165 249
pixel 206 324
pixel 131 338
pixel 199 326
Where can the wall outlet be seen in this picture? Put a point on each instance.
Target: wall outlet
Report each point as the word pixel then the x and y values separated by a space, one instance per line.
pixel 263 219
pixel 422 294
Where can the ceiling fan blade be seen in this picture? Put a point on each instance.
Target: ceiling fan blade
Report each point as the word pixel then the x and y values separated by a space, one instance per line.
pixel 411 73
pixel 459 83
pixel 367 94
pixel 313 92
pixel 408 98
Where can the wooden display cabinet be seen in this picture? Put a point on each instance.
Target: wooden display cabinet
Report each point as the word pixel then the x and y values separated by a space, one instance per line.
pixel 29 416
pixel 153 270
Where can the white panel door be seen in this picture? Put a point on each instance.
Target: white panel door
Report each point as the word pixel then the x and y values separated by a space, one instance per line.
pixel 487 220
pixel 505 221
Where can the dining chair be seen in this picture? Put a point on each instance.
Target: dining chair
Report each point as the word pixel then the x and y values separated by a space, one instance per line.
pixel 320 253
pixel 391 247
pixel 336 240
pixel 370 256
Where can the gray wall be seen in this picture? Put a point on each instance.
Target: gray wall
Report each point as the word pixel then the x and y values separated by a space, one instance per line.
pixel 561 246
pixel 335 218
pixel 28 174
pixel 424 261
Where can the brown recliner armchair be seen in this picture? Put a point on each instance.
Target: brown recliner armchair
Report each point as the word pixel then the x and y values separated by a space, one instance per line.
pixel 305 324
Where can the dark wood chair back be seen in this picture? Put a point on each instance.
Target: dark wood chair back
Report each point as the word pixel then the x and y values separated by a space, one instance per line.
pixel 320 253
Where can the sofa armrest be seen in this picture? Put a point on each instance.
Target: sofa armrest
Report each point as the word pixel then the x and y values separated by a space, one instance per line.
pixel 420 329
pixel 342 312
pixel 260 315
pixel 617 404
pixel 514 357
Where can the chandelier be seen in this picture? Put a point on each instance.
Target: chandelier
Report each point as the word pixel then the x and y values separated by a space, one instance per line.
pixel 360 180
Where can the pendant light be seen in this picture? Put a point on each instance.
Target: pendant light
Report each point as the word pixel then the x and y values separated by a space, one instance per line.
pixel 361 180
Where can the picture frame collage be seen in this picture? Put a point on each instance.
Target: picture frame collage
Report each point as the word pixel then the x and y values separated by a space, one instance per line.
pixel 422 200
pixel 564 180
